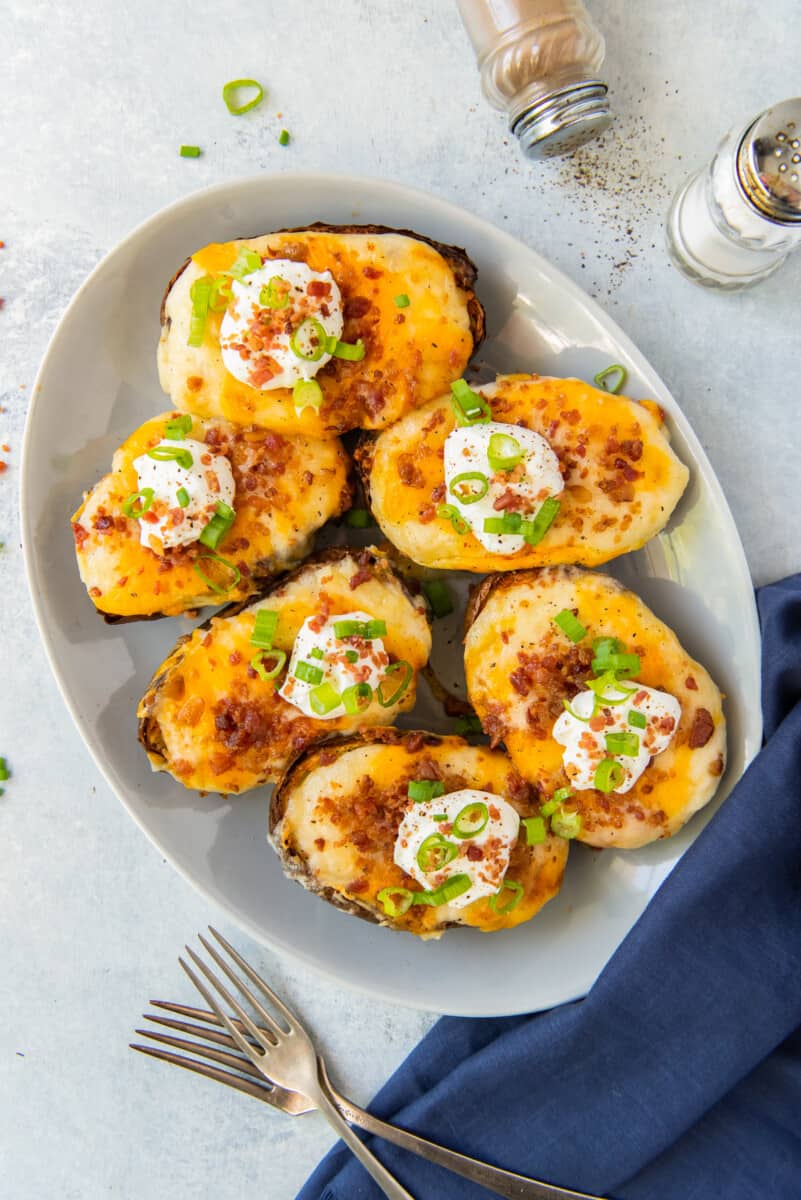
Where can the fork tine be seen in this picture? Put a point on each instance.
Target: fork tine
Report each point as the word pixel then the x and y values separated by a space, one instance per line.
pixel 244 990
pixel 209 1033
pixel 218 1056
pixel 200 1068
pixel 244 1045
pixel 293 1022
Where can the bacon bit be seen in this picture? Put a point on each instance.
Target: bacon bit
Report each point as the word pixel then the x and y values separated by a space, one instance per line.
pixel 438 493
pixel 701 729
pixel 690 683
pixel 235 658
pixel 626 470
pixel 475 853
pixel 103 523
pixel 358 886
pixel 318 287
pixel 408 472
pixel 400 319
pixel 521 681
pixel 612 445
pixel 372 272
pixel 426 515
pixel 320 843
pixel 6 449
pixel 308 478
pixel 95 591
pixel 212 481
pixel 2 245
pixel 597 723
pixel 356 307
pixel 632 448
pixel 191 711
pixel 573 416
pixel 580 449
pixel 121 582
pixel 206 642
pixel 194 383
pixel 3 465
pixel 665 724
pixel 507 500
pixel 205 459
pixel 494 812
pixel 505 637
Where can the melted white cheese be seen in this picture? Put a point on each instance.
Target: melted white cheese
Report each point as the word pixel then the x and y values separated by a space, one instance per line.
pixel 208 481
pixel 370 666
pixel 496 840
pixel 586 747
pixel 539 477
pixel 255 340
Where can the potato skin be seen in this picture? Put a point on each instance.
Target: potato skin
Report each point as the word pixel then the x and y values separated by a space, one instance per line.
pixel 622 480
pixel 209 720
pixel 411 354
pixel 286 488
pixel 520 667
pixel 335 813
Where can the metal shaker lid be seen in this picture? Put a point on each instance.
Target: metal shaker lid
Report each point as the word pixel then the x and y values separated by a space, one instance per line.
pixel 769 162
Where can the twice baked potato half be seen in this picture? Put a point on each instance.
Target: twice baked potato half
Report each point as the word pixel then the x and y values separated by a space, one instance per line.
pixel 459 820
pixel 330 648
pixel 318 330
pixel 522 472
pixel 597 703
pixel 197 511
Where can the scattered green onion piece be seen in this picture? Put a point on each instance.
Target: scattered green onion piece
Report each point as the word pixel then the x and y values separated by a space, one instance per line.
pixel 469 477
pixel 570 625
pixel 504 452
pixel 549 807
pixel 358 518
pixel 566 824
pixel 200 295
pixel 536 832
pixel 350 351
pixel 396 901
pixel 447 512
pixel 534 531
pixel 145 495
pixel 440 817
pixel 466 725
pixel 275 294
pixel 308 673
pixel 604 646
pixel 375 629
pixel 421 790
pixel 457 885
pixel 402 688
pixel 177 428
pixel 190 151
pixel 221 294
pixel 471 820
pixel 609 680
pixel 264 628
pixel 246 262
pixel 283 137
pixel 569 709
pixel 170 454
pixel 4 771
pixel 308 341
pixel 306 393
pixel 508 885
pixel 608 775
pixel 509 523
pixel 562 794
pixel 624 664
pixel 401 301
pixel 438 596
pixel 258 660
pixel 602 376
pixel 324 699
pixel 352 656
pixel 182 496
pixel 436 852
pixel 220 589
pixel 316 652
pixel 212 534
pixel 364 629
pixel 637 719
pixel 357 697
pixel 625 743
pixel 229 95
pixel 468 406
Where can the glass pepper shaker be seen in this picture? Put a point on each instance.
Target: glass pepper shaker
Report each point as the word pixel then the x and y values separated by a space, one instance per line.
pixel 539 62
pixel 734 222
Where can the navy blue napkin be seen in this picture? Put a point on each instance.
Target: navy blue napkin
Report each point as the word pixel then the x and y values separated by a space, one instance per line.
pixel 679 1076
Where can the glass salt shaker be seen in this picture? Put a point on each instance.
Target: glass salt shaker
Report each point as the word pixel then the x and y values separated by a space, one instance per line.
pixel 539 62
pixel 735 222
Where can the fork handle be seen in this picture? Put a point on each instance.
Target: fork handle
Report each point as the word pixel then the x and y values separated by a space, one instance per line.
pixel 386 1181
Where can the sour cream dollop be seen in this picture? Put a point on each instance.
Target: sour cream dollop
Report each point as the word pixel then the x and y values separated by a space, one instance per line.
pixel 334 658
pixel 206 482
pixel 585 746
pixel 522 489
pixel 255 338
pixel 495 842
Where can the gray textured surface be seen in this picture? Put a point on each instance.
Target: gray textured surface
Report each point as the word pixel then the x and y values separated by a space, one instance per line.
pixel 98 98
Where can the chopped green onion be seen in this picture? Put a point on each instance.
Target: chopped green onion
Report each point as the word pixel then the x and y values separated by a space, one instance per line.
pixel 363 629
pixel 324 699
pixel 357 697
pixel 602 376
pixel 229 95
pixel 170 454
pixel 624 743
pixel 447 512
pixel 438 596
pixel 376 629
pixel 4 771
pixel 608 775
pixel 246 262
pixel 576 716
pixel 562 794
pixel 510 522
pixel 604 646
pixel 358 518
pixel 468 406
pixel 220 589
pixel 637 719
pixel 200 295
pixel 536 832
pixel 401 301
pixel 177 428
pixel 212 534
pixel 570 625
pixel 457 885
pixel 508 885
pixel 402 688
pixel 625 664
pixel 182 496
pixel 549 807
pixel 465 725
pixel 471 820
pixel 283 137
pixel 396 900
pixel 534 531
pixel 472 494
pixel 352 656
pixel 504 452
pixel 436 852
pixel 609 680
pixel 566 824
pixel 258 660
pixel 221 294
pixel 306 393
pixel 308 673
pixel 308 341
pixel 440 817
pixel 421 790
pixel 190 151
pixel 275 294
pixel 351 351
pixel 316 652
pixel 264 628
pixel 145 496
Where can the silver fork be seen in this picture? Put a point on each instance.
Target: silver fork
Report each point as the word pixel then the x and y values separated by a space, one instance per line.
pixel 259 1083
